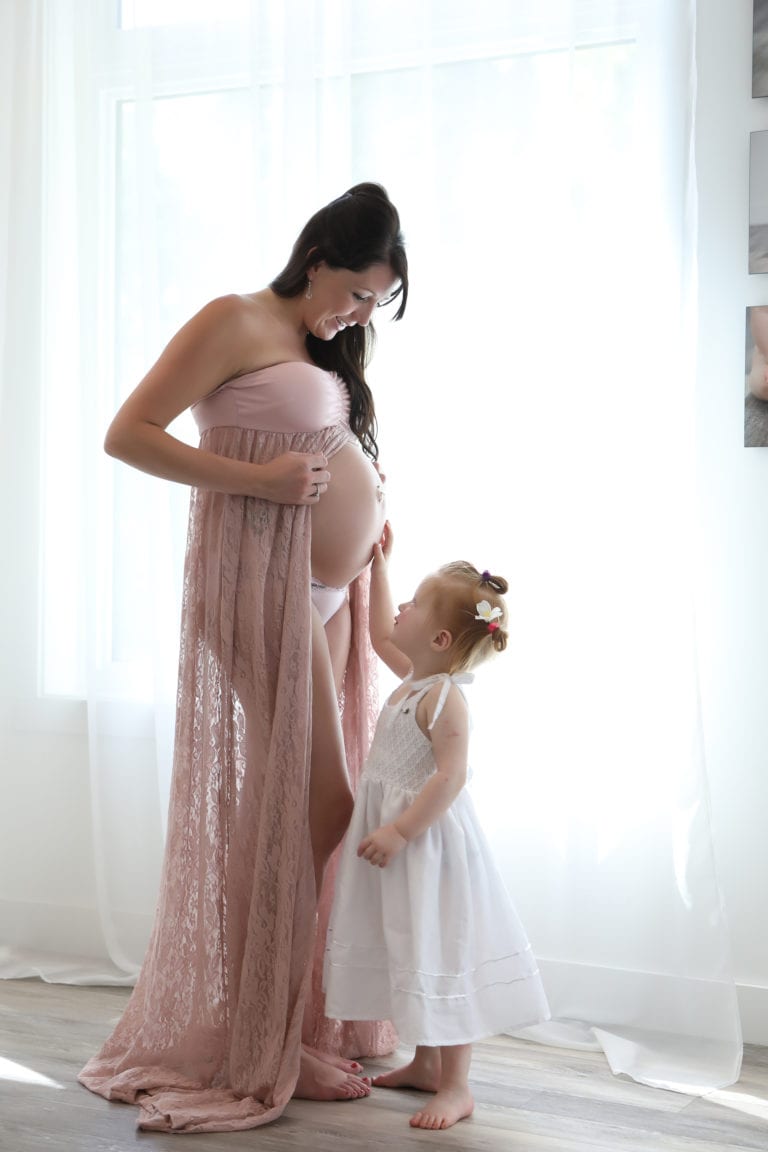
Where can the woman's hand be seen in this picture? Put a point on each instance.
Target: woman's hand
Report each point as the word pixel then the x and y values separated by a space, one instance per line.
pixel 382 846
pixel 294 478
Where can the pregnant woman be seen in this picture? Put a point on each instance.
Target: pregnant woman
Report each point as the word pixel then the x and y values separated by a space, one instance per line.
pixel 285 509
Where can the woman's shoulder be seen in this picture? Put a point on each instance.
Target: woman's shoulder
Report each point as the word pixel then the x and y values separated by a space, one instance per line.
pixel 229 320
pixel 255 331
pixel 237 312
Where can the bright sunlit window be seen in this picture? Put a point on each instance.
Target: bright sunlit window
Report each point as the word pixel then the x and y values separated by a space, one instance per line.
pixel 194 190
pixel 157 13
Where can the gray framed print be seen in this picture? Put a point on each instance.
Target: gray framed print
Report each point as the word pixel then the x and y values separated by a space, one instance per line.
pixel 760 48
pixel 756 378
pixel 758 202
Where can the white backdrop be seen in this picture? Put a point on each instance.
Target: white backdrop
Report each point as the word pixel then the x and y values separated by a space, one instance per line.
pixel 536 418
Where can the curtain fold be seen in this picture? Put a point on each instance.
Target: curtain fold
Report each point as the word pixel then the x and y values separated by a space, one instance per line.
pixel 542 160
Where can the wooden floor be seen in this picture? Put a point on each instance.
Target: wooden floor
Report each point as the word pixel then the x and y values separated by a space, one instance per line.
pixel 529 1098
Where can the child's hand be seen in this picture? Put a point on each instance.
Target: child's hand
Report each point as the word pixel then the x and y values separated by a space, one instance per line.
pixel 382 846
pixel 383 550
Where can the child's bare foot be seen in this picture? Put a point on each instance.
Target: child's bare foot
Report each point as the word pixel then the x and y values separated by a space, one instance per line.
pixel 321 1081
pixel 423 1073
pixel 335 1061
pixel 448 1107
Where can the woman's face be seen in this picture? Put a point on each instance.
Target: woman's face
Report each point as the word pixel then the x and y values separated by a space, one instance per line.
pixel 341 298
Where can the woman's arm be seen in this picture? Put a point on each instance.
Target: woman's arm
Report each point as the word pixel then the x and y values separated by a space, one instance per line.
pixel 450 741
pixel 381 609
pixel 211 347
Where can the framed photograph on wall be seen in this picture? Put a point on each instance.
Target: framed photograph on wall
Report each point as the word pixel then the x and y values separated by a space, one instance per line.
pixel 756 378
pixel 760 48
pixel 758 201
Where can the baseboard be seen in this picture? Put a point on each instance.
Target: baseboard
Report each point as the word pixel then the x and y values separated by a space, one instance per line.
pixel 753 1009
pixel 66 944
pixel 665 1002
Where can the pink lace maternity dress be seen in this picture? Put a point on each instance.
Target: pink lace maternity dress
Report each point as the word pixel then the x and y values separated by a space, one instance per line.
pixel 210 1039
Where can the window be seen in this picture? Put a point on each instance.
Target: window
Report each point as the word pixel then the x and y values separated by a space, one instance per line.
pixel 204 131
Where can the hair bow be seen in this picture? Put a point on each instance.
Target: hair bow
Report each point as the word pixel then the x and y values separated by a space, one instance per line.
pixel 488 614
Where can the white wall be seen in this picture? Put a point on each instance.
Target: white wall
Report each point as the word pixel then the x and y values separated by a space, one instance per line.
pixel 733 605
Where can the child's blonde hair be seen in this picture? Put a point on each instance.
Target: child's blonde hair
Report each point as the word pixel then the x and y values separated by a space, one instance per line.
pixel 456 591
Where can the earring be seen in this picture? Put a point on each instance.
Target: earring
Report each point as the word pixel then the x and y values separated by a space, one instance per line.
pixel 308 293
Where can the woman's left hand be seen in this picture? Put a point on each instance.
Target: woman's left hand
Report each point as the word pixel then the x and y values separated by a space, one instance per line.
pixel 382 846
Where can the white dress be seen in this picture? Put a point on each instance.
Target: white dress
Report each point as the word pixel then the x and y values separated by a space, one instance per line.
pixel 432 941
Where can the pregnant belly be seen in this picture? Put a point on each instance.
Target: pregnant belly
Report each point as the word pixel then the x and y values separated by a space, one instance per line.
pixel 348 518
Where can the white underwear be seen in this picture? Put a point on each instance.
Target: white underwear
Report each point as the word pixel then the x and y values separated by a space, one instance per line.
pixel 327 600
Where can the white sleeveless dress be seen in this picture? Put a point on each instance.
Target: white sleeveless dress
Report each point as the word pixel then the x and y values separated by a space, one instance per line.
pixel 432 941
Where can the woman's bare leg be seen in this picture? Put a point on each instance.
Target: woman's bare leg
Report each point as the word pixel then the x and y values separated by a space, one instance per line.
pixel 338 632
pixel 330 794
pixel 330 807
pixel 453 1101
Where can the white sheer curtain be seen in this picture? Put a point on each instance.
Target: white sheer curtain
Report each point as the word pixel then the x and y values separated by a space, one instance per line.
pixel 535 412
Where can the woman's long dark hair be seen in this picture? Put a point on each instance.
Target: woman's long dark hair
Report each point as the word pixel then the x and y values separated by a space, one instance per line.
pixel 358 229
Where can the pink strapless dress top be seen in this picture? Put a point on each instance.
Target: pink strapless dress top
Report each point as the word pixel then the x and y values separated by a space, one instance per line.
pixel 292 396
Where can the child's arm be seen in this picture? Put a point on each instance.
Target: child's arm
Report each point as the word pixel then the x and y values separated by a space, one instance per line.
pixel 450 740
pixel 381 609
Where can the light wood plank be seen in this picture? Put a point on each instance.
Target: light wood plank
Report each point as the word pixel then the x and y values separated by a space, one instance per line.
pixel 529 1098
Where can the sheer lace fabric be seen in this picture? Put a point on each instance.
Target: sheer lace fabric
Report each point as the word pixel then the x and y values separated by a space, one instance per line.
pixel 210 1039
pixel 358 719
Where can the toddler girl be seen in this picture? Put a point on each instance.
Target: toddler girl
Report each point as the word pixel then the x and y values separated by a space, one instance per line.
pixel 422 930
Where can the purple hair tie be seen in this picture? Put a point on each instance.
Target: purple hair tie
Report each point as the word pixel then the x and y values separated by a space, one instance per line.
pixel 486 577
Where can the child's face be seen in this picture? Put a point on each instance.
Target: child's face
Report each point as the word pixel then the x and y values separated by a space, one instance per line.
pixel 415 623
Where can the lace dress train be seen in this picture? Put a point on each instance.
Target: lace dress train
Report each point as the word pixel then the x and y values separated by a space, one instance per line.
pixel 210 1039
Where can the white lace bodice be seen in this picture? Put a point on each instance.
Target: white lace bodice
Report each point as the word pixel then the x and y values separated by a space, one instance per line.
pixel 401 754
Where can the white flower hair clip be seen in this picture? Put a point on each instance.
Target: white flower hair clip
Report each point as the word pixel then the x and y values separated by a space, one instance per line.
pixel 490 615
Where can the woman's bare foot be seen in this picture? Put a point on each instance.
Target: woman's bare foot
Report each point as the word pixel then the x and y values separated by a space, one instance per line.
pixel 319 1080
pixel 448 1107
pixel 423 1073
pixel 335 1061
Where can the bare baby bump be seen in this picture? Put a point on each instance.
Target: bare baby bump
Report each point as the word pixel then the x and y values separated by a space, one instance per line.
pixel 348 518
